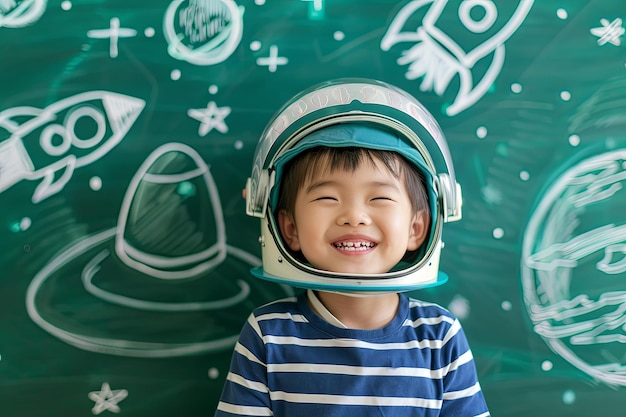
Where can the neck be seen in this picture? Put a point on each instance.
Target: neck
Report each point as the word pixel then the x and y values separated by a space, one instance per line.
pixel 364 313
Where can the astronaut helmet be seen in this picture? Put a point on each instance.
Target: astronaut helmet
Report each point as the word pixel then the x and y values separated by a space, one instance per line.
pixel 353 112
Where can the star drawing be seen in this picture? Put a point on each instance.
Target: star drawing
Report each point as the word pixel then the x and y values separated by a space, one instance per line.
pixel 609 32
pixel 107 399
pixel 211 117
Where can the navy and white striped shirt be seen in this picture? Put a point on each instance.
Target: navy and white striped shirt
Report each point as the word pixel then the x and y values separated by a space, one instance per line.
pixel 290 362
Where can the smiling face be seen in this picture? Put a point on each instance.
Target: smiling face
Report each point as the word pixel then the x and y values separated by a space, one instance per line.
pixel 355 217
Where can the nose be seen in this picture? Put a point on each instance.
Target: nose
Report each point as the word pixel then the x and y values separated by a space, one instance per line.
pixel 353 215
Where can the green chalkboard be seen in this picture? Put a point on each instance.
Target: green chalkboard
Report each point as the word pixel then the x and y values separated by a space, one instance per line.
pixel 127 130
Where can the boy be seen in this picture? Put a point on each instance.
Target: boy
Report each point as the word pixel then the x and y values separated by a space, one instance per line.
pixel 355 218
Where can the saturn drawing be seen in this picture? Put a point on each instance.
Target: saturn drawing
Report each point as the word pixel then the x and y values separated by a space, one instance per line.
pixel 163 282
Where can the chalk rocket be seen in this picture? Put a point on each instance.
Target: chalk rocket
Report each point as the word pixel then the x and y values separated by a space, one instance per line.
pixel 452 46
pixel 52 142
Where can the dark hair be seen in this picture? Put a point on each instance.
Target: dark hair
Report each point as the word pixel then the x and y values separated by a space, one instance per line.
pixel 319 159
pixel 302 167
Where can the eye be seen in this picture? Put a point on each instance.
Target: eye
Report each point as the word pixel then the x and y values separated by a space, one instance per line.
pixel 323 198
pixel 382 198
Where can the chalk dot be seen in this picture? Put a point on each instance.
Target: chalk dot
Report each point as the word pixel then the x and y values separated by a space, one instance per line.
pixel 25 223
pixel 481 132
pixel 186 189
pixel 574 140
pixel 213 373
pixel 175 75
pixel 66 5
pixel 561 14
pixel 459 306
pixel 20 226
pixel 506 305
pixel 498 233
pixel 516 88
pixel 95 183
pixel 569 397
pixel 238 144
pixel 255 45
pixel 566 95
pixel 149 32
pixel 259 2
pixel 491 194
pixel 546 366
pixel 339 35
pixel 524 175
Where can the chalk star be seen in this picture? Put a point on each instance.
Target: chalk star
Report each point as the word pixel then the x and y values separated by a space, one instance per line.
pixel 107 399
pixel 209 118
pixel 273 60
pixel 114 32
pixel 609 32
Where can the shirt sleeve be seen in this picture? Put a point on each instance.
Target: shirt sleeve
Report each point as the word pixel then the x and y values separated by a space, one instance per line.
pixel 462 394
pixel 245 391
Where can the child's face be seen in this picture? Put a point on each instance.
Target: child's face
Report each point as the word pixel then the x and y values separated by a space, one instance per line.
pixel 357 222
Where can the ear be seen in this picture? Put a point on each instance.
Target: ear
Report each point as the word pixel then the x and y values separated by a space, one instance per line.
pixel 288 230
pixel 419 230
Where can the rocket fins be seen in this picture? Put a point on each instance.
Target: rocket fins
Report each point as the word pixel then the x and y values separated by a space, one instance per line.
pixel 49 185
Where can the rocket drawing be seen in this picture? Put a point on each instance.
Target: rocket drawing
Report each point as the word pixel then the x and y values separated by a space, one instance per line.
pixel 18 13
pixel 441 49
pixel 47 145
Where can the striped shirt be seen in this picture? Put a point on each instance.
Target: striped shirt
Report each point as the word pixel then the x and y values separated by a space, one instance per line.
pixel 289 362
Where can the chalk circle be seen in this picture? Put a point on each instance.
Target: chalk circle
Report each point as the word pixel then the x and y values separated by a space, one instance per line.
pixel 482 24
pixel 90 112
pixel 217 47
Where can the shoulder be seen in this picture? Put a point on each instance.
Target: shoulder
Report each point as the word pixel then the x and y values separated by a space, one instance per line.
pixel 281 314
pixel 425 309
pixel 277 306
pixel 432 321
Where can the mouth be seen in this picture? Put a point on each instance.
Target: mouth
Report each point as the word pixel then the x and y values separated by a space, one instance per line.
pixel 354 245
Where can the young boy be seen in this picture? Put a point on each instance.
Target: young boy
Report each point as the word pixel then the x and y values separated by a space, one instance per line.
pixel 355 219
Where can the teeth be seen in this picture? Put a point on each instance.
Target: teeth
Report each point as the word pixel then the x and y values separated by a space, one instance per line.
pixel 354 246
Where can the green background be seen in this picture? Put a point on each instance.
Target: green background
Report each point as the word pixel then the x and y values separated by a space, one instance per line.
pixel 559 97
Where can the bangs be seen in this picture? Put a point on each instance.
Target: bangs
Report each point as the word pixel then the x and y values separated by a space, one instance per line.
pixel 324 160
pixel 321 160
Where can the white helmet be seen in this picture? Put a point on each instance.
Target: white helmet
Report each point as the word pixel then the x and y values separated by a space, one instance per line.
pixel 418 138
